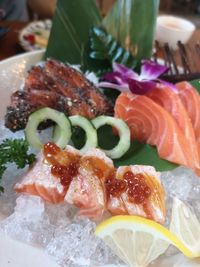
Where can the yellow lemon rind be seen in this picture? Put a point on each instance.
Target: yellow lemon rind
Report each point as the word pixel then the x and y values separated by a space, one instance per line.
pixel 141 224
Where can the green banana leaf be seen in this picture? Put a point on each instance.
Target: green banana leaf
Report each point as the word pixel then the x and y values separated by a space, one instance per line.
pixel 105 48
pixel 132 24
pixel 69 38
pixel 196 84
pixel 138 153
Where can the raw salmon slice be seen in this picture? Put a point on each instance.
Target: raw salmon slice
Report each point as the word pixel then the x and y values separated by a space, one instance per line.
pixel 152 124
pixel 87 190
pixel 191 100
pixel 169 99
pixel 153 207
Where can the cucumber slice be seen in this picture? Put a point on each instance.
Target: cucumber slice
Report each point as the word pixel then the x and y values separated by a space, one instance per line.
pixel 63 127
pixel 90 131
pixel 124 133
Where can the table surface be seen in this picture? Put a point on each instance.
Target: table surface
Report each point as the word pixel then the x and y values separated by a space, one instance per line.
pixel 9 45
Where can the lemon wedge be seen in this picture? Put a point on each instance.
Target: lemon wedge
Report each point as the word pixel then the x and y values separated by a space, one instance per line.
pixel 138 241
pixel 185 225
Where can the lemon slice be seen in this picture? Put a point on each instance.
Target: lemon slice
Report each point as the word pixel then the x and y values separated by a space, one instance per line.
pixel 185 225
pixel 138 241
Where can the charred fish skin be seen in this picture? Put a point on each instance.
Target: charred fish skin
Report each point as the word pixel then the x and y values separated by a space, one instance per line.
pixel 59 86
pixel 77 80
pixel 17 114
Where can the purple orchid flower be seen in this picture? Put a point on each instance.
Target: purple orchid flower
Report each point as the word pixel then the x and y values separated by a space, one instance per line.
pixel 126 80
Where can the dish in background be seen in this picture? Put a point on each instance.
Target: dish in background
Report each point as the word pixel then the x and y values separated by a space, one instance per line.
pixel 35 35
pixel 171 29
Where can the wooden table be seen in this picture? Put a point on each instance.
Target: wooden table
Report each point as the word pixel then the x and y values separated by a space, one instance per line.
pixel 9 45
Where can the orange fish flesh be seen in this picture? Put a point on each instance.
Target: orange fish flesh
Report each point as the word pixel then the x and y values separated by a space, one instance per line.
pixel 170 100
pixel 152 124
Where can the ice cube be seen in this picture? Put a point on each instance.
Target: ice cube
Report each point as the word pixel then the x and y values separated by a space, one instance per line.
pixel 29 207
pixel 73 245
pixel 104 256
pixel 60 214
pixel 76 245
pixel 29 223
pixel 179 182
pixel 184 184
pixel 7 199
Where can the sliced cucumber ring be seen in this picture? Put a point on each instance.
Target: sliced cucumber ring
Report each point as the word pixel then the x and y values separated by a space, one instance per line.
pixel 64 131
pixel 90 131
pixel 124 134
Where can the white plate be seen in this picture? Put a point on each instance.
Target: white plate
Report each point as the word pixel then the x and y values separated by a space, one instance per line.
pixel 14 253
pixel 35 30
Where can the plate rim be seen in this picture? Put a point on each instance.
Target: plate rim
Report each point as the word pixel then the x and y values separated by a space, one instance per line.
pixel 22 55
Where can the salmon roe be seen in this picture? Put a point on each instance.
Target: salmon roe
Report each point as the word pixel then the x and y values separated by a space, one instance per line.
pixel 115 187
pixel 138 191
pixel 50 151
pixel 134 184
pixel 64 172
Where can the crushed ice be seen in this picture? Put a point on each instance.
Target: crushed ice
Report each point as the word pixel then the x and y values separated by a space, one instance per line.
pixel 29 223
pixel 183 184
pixel 69 239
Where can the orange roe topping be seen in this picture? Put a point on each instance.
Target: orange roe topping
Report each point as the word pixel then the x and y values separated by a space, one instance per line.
pixel 134 184
pixel 50 151
pixel 64 165
pixel 115 187
pixel 138 191
pixel 65 174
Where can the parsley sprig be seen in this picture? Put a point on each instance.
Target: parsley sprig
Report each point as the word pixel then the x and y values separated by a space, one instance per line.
pixel 14 151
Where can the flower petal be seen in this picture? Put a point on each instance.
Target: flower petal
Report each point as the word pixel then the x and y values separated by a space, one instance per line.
pixel 120 88
pixel 151 70
pixel 168 84
pixel 114 77
pixel 123 70
pixel 141 87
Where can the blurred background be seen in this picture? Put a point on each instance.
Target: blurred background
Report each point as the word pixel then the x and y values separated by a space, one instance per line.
pixel 34 9
pixel 17 15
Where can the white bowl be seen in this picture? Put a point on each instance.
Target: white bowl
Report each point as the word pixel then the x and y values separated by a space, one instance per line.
pixel 171 29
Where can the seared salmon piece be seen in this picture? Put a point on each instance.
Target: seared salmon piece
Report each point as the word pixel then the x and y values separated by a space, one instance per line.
pixel 40 181
pixel 144 195
pixel 87 190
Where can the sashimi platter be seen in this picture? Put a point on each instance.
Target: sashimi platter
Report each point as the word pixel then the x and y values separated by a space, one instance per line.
pixel 99 154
